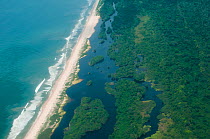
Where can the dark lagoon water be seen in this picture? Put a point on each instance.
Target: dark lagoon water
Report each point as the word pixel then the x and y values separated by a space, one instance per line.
pixel 99 75
pixel 33 52
pixel 152 94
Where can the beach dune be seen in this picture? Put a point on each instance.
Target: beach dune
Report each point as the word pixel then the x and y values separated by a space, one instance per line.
pixel 50 104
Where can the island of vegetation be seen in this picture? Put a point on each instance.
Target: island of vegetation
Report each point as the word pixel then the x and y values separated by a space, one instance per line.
pixel 89 116
pixel 89 83
pixel 164 42
pixel 102 34
pixel 95 60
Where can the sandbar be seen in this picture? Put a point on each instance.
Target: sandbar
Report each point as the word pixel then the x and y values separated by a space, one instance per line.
pixel 49 106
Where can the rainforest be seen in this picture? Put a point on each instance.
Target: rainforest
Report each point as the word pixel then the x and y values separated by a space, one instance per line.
pixel 155 66
pixel 166 43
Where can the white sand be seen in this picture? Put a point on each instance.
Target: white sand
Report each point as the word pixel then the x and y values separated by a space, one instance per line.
pixel 50 104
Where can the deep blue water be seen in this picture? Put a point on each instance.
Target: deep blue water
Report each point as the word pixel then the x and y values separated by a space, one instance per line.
pixel 32 39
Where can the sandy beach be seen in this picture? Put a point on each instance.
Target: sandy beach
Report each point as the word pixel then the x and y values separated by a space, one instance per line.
pixel 50 104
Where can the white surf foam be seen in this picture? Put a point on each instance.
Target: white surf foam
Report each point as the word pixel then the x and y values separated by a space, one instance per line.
pixel 30 109
pixel 26 105
pixel 38 87
pixel 27 113
pixel 90 2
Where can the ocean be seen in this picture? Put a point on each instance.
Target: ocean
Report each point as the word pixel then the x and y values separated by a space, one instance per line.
pixel 36 38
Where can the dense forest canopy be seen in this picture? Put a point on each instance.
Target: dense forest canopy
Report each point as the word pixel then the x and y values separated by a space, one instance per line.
pixel 132 113
pixel 96 60
pixel 165 42
pixel 89 116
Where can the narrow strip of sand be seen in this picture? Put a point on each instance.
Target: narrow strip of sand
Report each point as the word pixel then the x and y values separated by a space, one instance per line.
pixel 50 104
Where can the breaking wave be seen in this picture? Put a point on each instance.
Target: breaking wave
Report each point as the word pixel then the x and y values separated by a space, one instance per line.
pixel 44 87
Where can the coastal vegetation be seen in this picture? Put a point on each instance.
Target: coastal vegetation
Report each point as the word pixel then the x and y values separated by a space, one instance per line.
pixel 132 113
pixel 89 116
pixel 166 43
pixel 85 48
pixel 106 9
pixel 89 83
pixel 109 30
pixel 102 34
pixel 95 60
pixel 55 119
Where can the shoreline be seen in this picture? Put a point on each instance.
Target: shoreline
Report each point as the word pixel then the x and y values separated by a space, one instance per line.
pixel 49 105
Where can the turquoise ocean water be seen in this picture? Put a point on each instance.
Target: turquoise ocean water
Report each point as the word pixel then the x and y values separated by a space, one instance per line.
pixel 36 37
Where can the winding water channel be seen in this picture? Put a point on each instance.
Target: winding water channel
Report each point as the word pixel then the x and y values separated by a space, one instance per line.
pixel 99 75
pixel 151 94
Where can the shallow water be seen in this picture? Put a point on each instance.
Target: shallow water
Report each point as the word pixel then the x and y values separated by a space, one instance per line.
pixel 33 52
